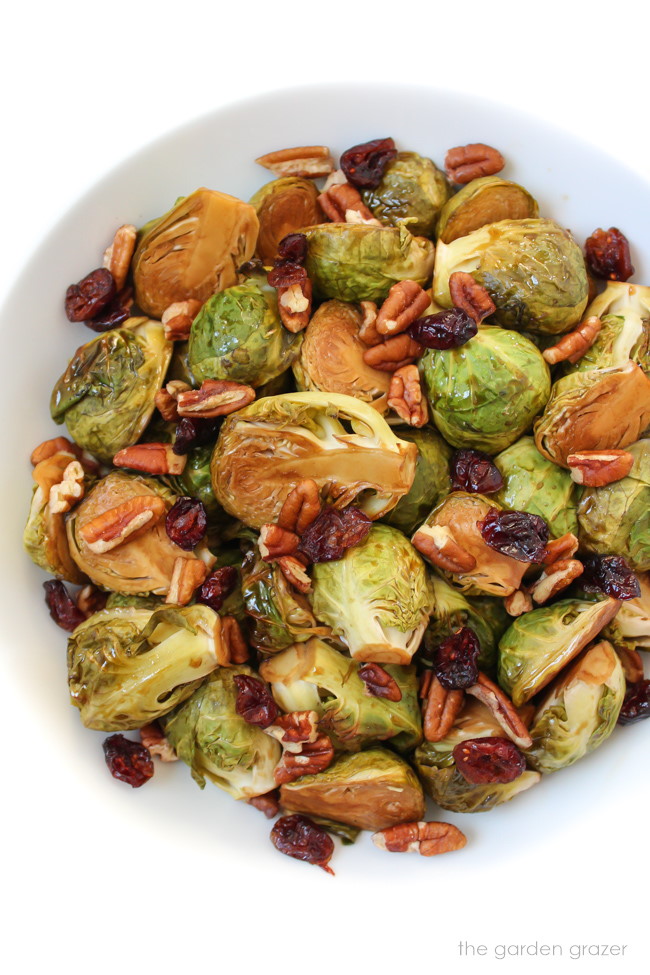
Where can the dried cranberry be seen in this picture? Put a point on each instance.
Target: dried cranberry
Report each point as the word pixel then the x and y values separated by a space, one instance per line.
pixel 636 704
pixel 286 273
pixel 128 760
pixel 444 330
pixel 90 296
pixel 193 433
pixel 364 165
pixel 112 316
pixel 299 837
pixel 218 586
pixel 293 248
pixel 611 575
pixel 63 609
pixel 608 255
pixel 473 471
pixel 186 522
pixel 481 760
pixel 333 532
pixel 455 660
pixel 515 533
pixel 254 702
pixel 379 683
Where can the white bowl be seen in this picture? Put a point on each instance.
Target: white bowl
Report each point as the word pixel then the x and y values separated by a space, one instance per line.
pixel 580 188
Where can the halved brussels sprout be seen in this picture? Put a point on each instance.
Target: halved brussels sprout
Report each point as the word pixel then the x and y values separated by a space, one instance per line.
pixel 373 789
pixel 129 666
pixel 430 484
pixel 631 303
pixel 377 598
pixel 412 189
pixel 486 393
pixel 238 335
pixel 193 251
pixel 533 484
pixel 616 518
pixel 219 745
pixel 533 269
pixel 631 625
pixel 580 711
pixel 267 448
pixel 106 394
pixel 539 644
pixel 44 537
pixel 359 262
pixel 284 206
pixel 314 676
pixel 441 779
pixel 489 199
pixel 331 357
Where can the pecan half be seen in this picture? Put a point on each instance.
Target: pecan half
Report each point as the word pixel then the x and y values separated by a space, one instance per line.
pixel 293 730
pixel 564 547
pixel 152 458
pixel 49 448
pixel 368 329
pixel 314 756
pixel 269 803
pixel 216 397
pixel 274 542
pixel 554 578
pixel 573 345
pixel 469 296
pixel 187 575
pixel 440 709
pixel 379 683
pixel 342 203
pixel 153 739
pixel 595 468
pixel 406 301
pixel 395 352
pixel 439 546
pixel 123 523
pixel 306 162
pixel 68 491
pixel 177 319
pixel 234 641
pixel 117 257
pixel 427 839
pixel 632 663
pixel 518 603
pixel 465 163
pixel 405 396
pixel 294 572
pixel 302 505
pixel 294 305
pixel 489 694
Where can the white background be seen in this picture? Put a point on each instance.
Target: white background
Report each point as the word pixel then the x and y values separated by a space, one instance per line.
pixel 83 86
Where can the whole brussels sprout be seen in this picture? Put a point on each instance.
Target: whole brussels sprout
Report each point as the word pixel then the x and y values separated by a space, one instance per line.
pixel 219 745
pixel 44 537
pixel 331 357
pixel 284 206
pixel 377 598
pixel 580 711
pixel 106 394
pixel 193 251
pixel 489 199
pixel 267 448
pixel 533 484
pixel 360 262
pixel 313 676
pixel 540 643
pixel 533 270
pixel 373 789
pixel 435 766
pixel 238 335
pixel 452 611
pixel 430 484
pixel 486 393
pixel 616 518
pixel 129 666
pixel 412 189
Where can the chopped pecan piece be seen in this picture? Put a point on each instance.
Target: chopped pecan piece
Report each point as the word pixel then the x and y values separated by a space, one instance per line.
pixel 368 329
pixel 294 572
pixel 595 468
pixel 470 297
pixel 441 549
pixel 233 641
pixel 518 603
pixel 314 756
pixel 153 739
pixel 564 547
pixel 274 542
pixel 395 352
pixel 68 491
pixel 573 345
pixel 342 203
pixel 293 730
pixel 632 663
pixel 489 694
pixel 216 397
pixel 117 257
pixel 166 399
pixel 465 163
pixel 406 301
pixel 405 396
pixel 427 839
pixel 294 305
pixel 49 448
pixel 187 575
pixel 91 600
pixel 269 803
pixel 440 709
pixel 306 162
pixel 554 578
pixel 122 523
pixel 301 506
pixel 177 319
pixel 152 458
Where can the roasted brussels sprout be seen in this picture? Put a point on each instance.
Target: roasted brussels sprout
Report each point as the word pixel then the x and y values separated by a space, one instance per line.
pixel 631 625
pixel 624 311
pixel 193 251
pixel 219 745
pixel 357 262
pixel 373 789
pixel 331 357
pixel 314 676
pixel 535 485
pixel 106 395
pixel 486 393
pixel 267 448
pixel 238 335
pixel 616 518
pixel 430 484
pixel 284 206
pixel 486 200
pixel 195 482
pixel 580 711
pixel 44 537
pixel 377 598
pixel 129 666
pixel 412 190
pixel 452 611
pixel 533 269
pixel 539 644
pixel 441 779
